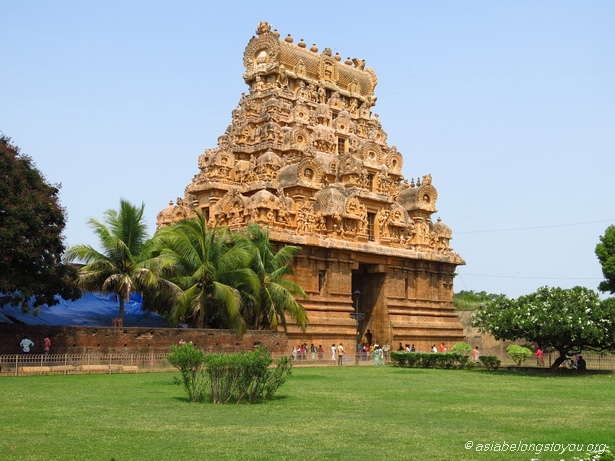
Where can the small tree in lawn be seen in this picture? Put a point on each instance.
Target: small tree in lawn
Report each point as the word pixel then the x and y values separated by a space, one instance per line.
pixel 518 354
pixel 462 348
pixel 566 320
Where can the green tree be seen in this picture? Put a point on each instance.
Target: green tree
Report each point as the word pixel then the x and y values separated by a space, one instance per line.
pixel 469 300
pixel 122 267
pixel 566 320
pixel 605 251
pixel 276 295
pixel 209 269
pixel 31 242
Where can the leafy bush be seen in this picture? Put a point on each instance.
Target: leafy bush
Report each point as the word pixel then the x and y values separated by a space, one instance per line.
pixel 429 360
pixel 245 376
pixel 189 361
pixel 242 377
pixel 518 353
pixel 281 371
pixel 462 348
pixel 490 362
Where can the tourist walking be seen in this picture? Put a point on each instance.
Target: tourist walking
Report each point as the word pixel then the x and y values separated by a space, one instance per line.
pixel 377 355
pixel 47 347
pixel 540 361
pixel 475 354
pixel 26 344
pixel 333 353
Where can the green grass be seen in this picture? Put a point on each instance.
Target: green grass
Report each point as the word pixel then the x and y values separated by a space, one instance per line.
pixel 327 413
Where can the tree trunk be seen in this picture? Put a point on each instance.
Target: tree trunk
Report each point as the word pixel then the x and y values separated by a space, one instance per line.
pixel 201 320
pixel 122 310
pixel 558 361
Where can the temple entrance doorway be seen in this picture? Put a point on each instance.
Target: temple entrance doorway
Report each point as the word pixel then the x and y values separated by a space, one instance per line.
pixel 369 303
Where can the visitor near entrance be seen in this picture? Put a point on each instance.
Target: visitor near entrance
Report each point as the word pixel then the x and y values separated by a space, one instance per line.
pixel 321 352
pixel 340 355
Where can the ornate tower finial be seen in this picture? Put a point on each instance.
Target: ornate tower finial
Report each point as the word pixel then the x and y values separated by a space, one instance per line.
pixel 263 27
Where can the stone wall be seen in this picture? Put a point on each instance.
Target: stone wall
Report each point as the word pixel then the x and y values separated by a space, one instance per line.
pixel 487 344
pixel 79 340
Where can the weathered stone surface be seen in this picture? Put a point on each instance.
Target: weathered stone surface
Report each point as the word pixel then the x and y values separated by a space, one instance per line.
pixel 305 156
pixel 103 340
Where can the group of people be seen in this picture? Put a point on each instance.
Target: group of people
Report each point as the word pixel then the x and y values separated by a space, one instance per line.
pixel 338 353
pixel 578 363
pixel 27 344
pixel 376 352
pixel 435 349
pixel 300 352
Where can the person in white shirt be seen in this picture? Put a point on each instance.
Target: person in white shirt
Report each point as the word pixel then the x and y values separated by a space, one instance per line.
pixel 26 344
pixel 340 355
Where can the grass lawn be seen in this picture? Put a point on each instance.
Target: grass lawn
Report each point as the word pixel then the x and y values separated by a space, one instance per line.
pixel 326 413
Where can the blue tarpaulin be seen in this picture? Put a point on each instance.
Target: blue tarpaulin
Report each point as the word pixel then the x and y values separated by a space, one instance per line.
pixel 93 309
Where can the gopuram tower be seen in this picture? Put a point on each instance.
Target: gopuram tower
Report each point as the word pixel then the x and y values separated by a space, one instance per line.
pixel 305 158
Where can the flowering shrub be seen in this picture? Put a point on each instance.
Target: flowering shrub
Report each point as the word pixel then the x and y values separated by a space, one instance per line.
pixel 565 320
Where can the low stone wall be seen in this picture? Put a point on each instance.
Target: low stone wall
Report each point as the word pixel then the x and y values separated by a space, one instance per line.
pixel 79 340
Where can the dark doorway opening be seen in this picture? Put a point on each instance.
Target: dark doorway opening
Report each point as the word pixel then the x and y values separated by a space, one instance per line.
pixel 368 301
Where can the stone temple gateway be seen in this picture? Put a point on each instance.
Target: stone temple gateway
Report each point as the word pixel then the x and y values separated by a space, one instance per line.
pixel 305 157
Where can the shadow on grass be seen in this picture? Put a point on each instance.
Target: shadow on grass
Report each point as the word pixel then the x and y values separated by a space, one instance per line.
pixel 545 372
pixel 208 401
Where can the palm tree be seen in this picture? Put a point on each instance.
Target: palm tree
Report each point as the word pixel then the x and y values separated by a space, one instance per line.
pixel 209 269
pixel 120 268
pixel 276 296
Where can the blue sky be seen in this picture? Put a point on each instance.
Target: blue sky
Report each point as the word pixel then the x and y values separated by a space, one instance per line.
pixel 509 105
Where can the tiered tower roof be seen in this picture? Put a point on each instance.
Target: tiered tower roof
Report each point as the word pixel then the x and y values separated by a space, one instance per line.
pixel 305 156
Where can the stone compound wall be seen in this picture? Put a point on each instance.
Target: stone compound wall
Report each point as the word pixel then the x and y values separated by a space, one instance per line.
pixel 487 344
pixel 80 340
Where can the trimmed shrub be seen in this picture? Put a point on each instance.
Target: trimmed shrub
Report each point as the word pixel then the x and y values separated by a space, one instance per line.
pixel 451 360
pixel 462 348
pixel 490 362
pixel 518 353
